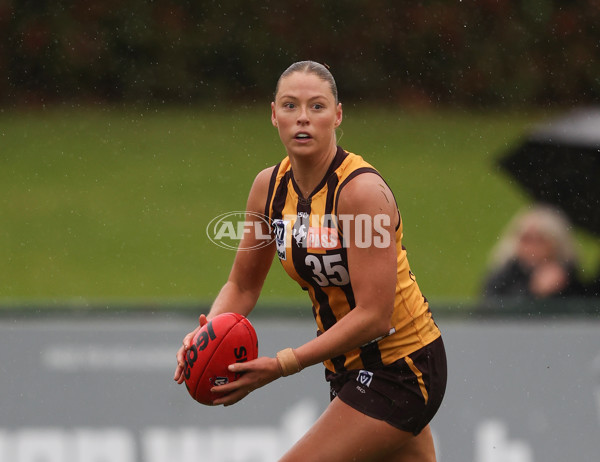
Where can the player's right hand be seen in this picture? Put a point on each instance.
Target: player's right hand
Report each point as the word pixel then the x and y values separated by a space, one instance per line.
pixel 185 346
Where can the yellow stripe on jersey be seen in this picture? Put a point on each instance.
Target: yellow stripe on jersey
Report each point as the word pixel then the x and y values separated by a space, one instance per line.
pixel 419 376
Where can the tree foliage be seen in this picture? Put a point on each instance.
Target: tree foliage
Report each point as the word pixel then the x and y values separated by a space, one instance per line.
pixel 464 52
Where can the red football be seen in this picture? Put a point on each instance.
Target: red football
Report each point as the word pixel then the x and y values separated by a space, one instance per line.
pixel 228 338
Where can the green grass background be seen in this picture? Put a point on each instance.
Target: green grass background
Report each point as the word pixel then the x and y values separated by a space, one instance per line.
pixel 109 204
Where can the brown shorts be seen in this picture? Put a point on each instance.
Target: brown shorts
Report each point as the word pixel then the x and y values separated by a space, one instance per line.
pixel 406 393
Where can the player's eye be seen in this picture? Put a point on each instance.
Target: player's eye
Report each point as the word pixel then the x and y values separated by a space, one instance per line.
pixel 289 105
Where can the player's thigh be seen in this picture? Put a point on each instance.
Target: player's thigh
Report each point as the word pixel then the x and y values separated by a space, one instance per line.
pixel 420 448
pixel 344 434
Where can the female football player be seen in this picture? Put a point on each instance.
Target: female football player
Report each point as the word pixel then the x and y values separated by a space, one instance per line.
pixel 337 231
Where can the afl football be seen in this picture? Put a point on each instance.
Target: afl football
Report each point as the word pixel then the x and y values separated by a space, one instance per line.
pixel 226 339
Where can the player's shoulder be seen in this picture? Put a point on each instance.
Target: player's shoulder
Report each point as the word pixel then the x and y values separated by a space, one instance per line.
pixel 263 178
pixel 353 161
pixel 260 188
pixel 367 192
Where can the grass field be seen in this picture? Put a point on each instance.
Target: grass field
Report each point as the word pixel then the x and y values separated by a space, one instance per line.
pixel 106 204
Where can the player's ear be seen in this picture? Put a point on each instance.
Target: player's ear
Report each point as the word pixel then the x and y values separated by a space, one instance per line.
pixel 338 115
pixel 273 116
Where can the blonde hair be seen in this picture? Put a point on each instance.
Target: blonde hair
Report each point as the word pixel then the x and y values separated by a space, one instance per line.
pixel 549 222
pixel 310 67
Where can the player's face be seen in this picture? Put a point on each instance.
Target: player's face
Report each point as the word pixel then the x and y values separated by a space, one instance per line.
pixel 306 114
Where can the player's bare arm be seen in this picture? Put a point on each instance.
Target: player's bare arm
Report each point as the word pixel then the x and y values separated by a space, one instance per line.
pixel 248 273
pixel 250 267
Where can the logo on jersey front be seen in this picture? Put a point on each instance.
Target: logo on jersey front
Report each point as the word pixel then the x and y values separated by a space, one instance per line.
pixel 300 234
pixel 300 230
pixel 315 235
pixel 280 230
pixel 322 239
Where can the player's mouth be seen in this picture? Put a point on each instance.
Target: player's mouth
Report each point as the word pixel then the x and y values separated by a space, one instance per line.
pixel 302 136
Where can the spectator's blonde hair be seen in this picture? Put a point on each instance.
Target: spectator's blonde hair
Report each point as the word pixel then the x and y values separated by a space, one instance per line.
pixel 549 222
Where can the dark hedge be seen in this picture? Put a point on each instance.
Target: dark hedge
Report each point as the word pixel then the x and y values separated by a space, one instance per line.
pixel 471 53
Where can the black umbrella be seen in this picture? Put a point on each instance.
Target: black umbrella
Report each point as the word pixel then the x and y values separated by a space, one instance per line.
pixel 559 163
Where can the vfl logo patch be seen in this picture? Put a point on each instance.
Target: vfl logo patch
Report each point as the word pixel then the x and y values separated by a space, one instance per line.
pixel 364 378
pixel 280 229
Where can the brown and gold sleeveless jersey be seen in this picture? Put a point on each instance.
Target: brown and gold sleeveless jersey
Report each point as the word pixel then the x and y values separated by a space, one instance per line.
pixel 311 248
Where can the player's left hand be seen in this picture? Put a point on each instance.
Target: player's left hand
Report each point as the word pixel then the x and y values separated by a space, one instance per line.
pixel 254 374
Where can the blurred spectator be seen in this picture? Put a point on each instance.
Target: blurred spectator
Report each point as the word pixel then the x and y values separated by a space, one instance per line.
pixel 535 258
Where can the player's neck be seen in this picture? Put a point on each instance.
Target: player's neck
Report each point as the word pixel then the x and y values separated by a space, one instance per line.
pixel 309 171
